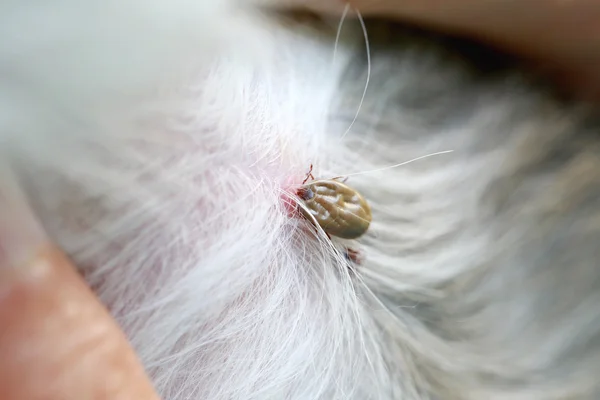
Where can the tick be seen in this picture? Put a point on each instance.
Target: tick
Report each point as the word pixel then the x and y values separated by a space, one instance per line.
pixel 338 209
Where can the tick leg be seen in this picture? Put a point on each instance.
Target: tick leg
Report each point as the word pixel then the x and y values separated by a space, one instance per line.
pixel 309 175
pixel 353 256
pixel 337 178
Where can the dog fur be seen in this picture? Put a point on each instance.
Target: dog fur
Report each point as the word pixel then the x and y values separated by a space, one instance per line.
pixel 157 139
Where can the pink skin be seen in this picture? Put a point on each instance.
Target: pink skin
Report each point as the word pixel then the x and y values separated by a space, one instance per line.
pixel 288 205
pixel 292 185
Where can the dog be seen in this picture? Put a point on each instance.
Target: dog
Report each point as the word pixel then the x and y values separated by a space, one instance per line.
pixel 161 143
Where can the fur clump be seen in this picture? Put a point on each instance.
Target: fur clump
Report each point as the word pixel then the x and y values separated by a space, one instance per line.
pixel 158 162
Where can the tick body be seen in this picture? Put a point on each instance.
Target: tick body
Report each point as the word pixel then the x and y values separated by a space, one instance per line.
pixel 340 210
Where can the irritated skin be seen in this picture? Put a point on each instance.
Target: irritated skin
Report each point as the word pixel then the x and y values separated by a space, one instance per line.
pixel 58 342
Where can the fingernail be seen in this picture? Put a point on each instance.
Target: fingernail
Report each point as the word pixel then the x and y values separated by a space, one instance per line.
pixel 21 235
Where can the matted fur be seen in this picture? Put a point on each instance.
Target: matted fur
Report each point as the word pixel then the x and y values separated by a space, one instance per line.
pixel 155 140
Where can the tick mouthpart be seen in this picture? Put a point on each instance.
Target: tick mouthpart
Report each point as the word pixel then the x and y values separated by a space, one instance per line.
pixel 305 193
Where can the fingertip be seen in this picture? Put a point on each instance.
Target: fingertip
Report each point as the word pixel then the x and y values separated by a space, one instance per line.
pixel 57 341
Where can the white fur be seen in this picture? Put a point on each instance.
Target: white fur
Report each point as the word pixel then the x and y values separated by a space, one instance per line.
pixel 166 188
pixel 156 139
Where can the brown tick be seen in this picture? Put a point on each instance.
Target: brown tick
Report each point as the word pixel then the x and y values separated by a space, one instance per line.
pixel 340 210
